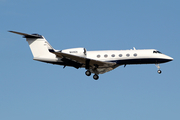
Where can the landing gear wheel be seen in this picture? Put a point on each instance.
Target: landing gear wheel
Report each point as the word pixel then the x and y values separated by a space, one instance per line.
pixel 159 71
pixel 96 77
pixel 88 73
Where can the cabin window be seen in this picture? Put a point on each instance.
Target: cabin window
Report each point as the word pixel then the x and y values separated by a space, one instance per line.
pixel 128 55
pixel 113 55
pixel 98 56
pixel 120 55
pixel 135 54
pixel 105 55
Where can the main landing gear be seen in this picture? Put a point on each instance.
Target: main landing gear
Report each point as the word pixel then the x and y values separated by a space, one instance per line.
pixel 88 73
pixel 95 76
pixel 159 71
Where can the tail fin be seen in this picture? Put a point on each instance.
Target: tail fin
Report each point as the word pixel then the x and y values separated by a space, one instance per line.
pixel 38 44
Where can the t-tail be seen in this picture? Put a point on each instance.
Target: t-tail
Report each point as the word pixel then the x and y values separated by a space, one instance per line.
pixel 39 47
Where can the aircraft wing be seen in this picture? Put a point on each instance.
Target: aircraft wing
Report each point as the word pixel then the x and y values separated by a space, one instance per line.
pixel 83 60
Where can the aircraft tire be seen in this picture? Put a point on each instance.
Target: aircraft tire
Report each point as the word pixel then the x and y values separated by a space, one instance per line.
pixel 96 77
pixel 159 71
pixel 88 73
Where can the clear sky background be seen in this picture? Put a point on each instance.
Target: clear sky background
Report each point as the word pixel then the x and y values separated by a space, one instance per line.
pixel 31 90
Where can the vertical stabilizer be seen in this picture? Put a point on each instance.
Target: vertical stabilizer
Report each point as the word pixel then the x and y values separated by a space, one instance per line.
pixel 39 46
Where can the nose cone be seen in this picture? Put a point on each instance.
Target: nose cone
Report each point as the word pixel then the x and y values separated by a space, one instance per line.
pixel 165 58
pixel 169 58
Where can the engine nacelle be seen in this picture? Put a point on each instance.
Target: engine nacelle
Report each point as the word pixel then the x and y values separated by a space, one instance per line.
pixel 76 51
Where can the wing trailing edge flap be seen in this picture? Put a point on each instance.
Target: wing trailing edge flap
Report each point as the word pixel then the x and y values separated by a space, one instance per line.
pixel 83 60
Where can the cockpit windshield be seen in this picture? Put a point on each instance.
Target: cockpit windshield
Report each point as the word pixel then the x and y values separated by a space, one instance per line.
pixel 157 52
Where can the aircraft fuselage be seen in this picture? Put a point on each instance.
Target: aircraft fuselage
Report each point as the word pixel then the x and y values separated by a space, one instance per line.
pixel 97 62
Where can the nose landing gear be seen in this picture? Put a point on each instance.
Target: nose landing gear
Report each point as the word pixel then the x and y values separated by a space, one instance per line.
pixel 159 71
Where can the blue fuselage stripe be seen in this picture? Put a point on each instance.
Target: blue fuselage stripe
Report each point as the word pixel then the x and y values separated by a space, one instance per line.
pixel 141 61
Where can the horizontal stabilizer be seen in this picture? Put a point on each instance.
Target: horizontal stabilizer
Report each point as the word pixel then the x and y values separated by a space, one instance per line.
pixel 27 35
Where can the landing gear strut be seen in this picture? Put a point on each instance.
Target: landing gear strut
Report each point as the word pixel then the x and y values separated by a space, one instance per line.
pixel 159 71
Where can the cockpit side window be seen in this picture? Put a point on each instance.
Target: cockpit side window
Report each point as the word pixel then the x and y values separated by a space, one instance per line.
pixel 157 52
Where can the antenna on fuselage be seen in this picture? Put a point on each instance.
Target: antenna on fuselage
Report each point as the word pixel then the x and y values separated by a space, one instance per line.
pixel 134 48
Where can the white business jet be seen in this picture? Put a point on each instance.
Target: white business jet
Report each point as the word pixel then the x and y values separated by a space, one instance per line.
pixel 97 62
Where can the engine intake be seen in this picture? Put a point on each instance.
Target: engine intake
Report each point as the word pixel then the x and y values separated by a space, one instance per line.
pixel 76 51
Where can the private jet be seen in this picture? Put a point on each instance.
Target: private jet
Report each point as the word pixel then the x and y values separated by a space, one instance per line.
pixel 97 62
